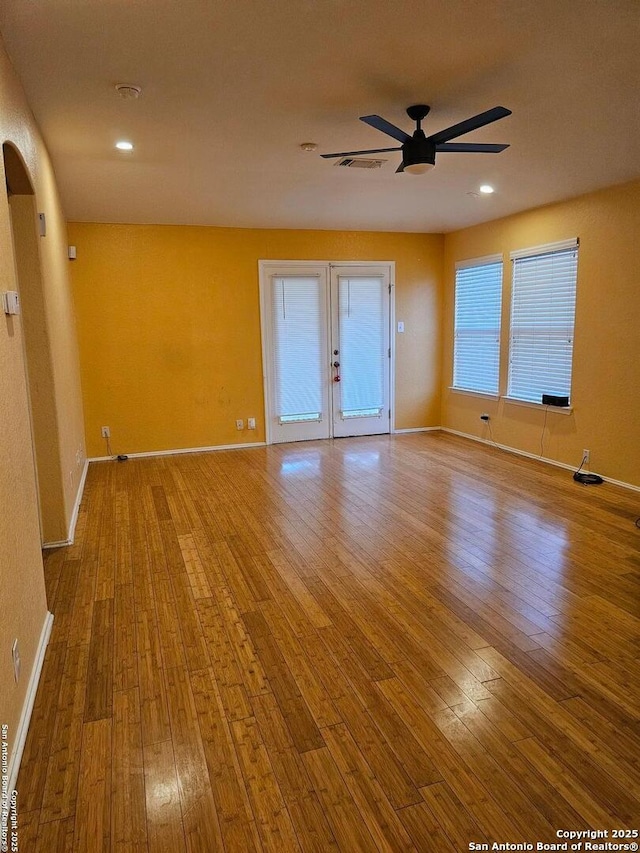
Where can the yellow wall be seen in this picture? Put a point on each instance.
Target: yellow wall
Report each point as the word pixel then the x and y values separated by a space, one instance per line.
pixel 21 576
pixel 606 384
pixel 40 372
pixel 169 327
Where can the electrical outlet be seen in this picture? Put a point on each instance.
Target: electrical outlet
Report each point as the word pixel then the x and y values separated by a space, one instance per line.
pixel 239 424
pixel 586 456
pixel 251 423
pixel 105 432
pixel 15 656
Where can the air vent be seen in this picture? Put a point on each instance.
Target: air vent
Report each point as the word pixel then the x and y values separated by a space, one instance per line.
pixel 359 163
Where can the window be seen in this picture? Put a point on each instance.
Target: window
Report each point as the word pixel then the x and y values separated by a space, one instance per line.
pixel 542 321
pixel 478 300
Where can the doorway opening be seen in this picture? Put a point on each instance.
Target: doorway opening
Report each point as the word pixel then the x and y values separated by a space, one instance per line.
pixel 32 326
pixel 327 349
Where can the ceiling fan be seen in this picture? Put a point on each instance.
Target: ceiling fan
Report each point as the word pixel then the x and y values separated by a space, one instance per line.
pixel 419 151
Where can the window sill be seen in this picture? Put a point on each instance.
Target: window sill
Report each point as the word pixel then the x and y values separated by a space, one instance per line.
pixel 563 410
pixel 485 394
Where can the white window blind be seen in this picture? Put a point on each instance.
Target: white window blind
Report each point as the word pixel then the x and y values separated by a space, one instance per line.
pixel 478 302
pixel 542 322
pixel 362 359
pixel 297 335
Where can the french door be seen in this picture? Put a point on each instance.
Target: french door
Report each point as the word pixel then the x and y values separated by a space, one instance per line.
pixel 326 349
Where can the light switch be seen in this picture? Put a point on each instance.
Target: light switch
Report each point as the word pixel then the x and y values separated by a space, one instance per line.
pixel 11 302
pixel 400 326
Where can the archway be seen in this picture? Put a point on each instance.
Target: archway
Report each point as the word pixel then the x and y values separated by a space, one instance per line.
pixel 37 350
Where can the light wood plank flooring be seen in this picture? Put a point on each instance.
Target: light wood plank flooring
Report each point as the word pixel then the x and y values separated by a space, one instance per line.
pixel 390 643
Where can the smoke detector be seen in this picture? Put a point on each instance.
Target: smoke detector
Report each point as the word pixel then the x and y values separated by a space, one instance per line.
pixel 128 92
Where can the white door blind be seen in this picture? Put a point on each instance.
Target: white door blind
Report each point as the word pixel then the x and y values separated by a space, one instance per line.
pixel 299 347
pixel 362 359
pixel 478 302
pixel 542 324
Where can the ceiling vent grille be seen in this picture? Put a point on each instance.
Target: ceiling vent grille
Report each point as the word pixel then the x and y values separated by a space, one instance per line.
pixel 359 163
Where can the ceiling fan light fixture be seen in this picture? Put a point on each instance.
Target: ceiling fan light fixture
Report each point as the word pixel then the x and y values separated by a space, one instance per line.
pixel 418 154
pixel 418 168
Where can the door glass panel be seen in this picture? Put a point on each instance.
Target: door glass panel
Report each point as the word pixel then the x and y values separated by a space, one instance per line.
pixel 362 413
pixel 299 348
pixel 362 355
pixel 300 419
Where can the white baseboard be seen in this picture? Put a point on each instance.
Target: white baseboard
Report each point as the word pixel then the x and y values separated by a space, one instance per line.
pixel 180 450
pixel 78 501
pixel 27 709
pixel 416 429
pixel 621 483
pixel 545 459
pixel 74 515
pixel 61 543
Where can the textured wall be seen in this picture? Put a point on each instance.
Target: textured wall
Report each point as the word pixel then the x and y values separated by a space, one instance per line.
pixel 606 389
pixel 39 368
pixel 21 577
pixel 169 327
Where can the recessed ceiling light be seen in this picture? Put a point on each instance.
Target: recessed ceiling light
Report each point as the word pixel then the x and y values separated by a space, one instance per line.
pixel 486 189
pixel 123 145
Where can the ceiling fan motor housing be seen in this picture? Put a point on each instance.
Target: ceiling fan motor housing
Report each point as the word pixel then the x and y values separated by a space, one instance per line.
pixel 418 149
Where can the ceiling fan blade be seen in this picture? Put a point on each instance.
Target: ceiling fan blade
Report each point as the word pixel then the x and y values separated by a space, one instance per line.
pixel 400 168
pixel 478 147
pixel 386 127
pixel 355 153
pixel 470 124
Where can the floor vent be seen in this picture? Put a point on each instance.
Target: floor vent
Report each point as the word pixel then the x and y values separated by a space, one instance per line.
pixel 359 163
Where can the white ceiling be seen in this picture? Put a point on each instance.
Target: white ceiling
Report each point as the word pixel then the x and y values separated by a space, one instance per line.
pixel 232 87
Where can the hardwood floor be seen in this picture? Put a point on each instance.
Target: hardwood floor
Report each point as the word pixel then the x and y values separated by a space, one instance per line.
pixel 407 643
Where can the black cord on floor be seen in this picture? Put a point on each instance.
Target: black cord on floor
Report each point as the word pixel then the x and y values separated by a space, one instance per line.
pixel 587 479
